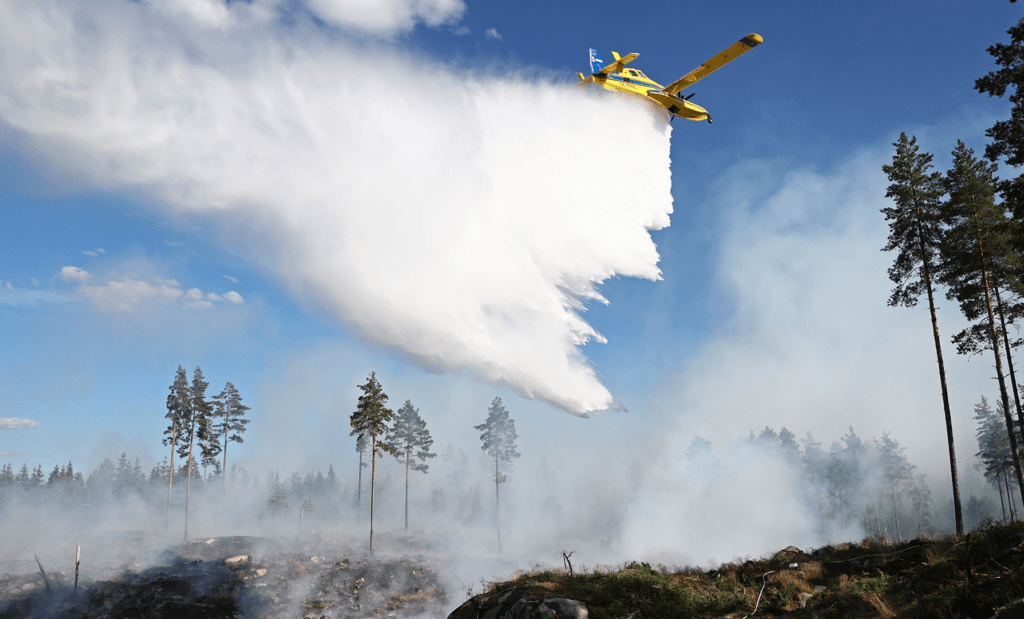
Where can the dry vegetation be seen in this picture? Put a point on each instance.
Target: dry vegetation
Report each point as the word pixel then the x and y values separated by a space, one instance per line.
pixel 981 575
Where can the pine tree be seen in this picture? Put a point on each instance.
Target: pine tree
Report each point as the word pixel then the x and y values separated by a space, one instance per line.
pixel 230 417
pixel 371 420
pixel 179 408
pixel 38 477
pixel 1008 135
pixel 921 498
pixel 278 500
pixel 914 230
pixel 972 243
pixel 993 446
pixel 331 481
pixel 897 472
pixel 411 441
pixel 499 442
pixel 122 475
pixel 193 431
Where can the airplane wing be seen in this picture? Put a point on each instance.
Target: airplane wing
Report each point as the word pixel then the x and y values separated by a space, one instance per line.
pixel 616 67
pixel 733 52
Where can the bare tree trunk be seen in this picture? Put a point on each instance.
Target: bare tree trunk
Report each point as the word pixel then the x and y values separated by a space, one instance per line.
pixel 170 474
pixel 1009 357
pixel 225 479
pixel 1009 498
pixel 359 492
pixel 999 486
pixel 957 508
pixel 878 522
pixel 407 488
pixel 896 514
pixel 497 499
pixel 373 477
pixel 188 483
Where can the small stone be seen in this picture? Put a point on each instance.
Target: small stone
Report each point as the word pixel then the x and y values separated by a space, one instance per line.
pixel 803 599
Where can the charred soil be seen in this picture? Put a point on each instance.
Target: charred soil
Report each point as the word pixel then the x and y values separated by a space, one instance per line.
pixel 207 580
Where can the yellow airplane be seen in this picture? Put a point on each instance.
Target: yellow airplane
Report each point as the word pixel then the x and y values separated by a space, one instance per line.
pixel 617 78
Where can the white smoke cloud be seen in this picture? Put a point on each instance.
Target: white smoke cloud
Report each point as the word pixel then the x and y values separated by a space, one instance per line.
pixel 464 220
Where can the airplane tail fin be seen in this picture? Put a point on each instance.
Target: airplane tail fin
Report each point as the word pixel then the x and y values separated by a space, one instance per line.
pixel 596 64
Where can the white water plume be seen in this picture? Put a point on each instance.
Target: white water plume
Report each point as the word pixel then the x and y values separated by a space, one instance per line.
pixel 461 217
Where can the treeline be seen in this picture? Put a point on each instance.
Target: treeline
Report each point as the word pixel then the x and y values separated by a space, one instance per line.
pixel 199 431
pixel 852 486
pixel 964 230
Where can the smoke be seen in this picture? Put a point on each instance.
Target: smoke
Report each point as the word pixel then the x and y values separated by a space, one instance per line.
pixel 465 217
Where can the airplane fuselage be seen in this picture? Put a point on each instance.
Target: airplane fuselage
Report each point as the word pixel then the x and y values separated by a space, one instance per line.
pixel 633 81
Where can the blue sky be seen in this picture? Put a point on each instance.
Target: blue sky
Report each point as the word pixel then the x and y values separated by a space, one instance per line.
pixel 772 283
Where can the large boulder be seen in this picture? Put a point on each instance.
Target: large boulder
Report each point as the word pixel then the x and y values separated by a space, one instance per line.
pixel 512 604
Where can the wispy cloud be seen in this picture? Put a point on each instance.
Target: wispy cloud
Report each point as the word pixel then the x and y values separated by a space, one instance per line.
pixel 14 423
pixel 127 293
pixel 492 33
pixel 94 252
pixel 231 279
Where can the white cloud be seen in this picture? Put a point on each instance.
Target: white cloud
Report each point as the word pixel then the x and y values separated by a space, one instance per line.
pixel 492 33
pixel 13 423
pixel 94 252
pixel 418 230
pixel 231 279
pixel 234 297
pixel 73 274
pixel 387 16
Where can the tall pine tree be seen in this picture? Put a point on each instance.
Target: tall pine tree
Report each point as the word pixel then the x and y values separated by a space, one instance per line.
pixel 229 416
pixel 411 441
pixel 498 435
pixel 974 235
pixel 179 408
pixel 371 419
pixel 194 428
pixel 915 232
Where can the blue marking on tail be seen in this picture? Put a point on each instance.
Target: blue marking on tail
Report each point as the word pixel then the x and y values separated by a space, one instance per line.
pixel 596 64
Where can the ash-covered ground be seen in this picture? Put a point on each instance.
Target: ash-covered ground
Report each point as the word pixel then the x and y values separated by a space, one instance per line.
pixel 231 577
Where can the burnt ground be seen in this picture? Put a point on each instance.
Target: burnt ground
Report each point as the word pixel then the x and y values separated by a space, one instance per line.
pixel 237 577
pixel 978 576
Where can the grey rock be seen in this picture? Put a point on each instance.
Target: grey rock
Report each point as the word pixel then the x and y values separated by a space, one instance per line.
pixel 543 612
pixel 571 609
